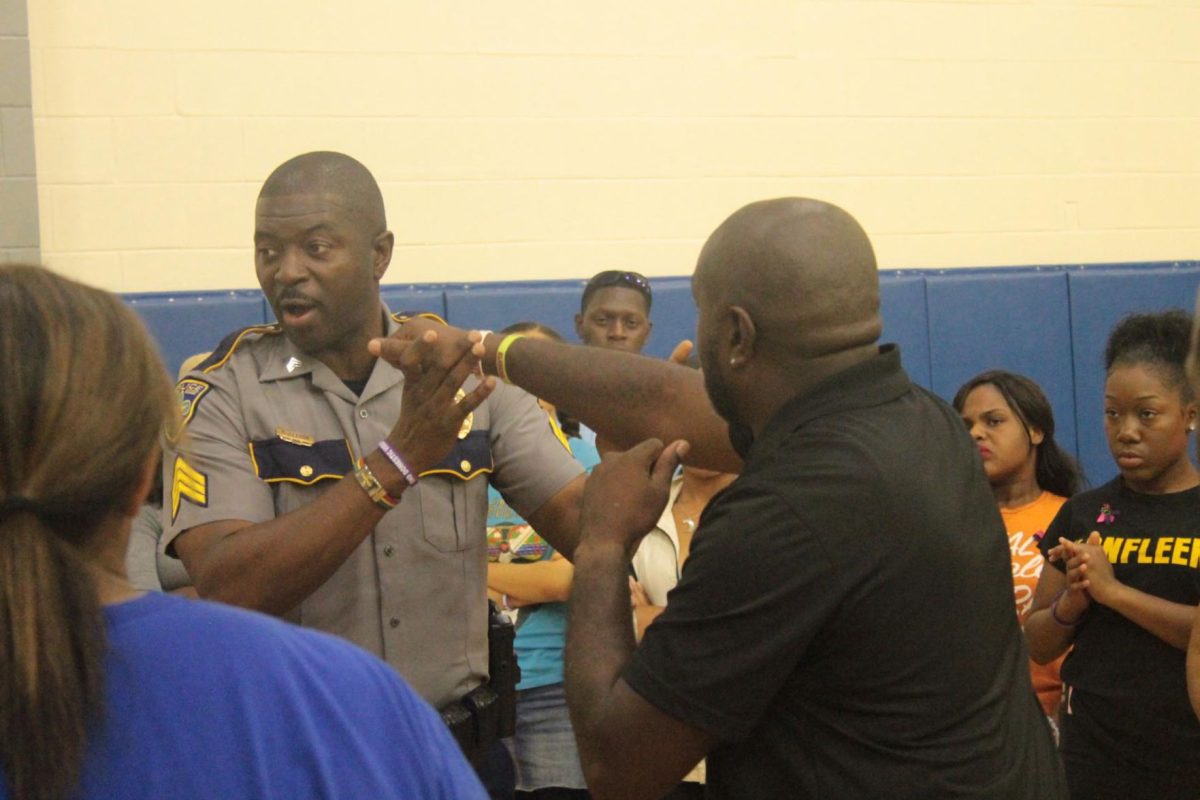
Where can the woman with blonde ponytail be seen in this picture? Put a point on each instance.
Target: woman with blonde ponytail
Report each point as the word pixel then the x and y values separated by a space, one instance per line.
pixel 109 692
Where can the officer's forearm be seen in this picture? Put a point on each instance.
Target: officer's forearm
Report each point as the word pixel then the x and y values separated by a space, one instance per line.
pixel 272 566
pixel 625 397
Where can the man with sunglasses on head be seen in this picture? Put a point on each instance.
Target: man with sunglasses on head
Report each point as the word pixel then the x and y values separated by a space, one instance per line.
pixel 614 311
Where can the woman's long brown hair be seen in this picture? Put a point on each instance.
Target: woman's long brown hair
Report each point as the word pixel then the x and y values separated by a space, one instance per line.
pixel 83 398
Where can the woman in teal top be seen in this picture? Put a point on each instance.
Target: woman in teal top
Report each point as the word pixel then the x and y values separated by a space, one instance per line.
pixel 525 574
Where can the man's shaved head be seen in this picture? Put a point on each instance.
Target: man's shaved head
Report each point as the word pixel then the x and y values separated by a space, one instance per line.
pixel 336 176
pixel 802 269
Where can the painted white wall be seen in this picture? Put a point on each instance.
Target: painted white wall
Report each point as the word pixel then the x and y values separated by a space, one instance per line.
pixel 539 139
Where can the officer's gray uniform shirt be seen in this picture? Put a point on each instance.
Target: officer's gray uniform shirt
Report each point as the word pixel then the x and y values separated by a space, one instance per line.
pixel 269 429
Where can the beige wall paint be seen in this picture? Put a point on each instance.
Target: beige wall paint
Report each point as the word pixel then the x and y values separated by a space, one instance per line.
pixel 537 139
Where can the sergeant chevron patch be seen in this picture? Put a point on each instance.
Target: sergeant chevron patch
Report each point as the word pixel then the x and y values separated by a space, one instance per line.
pixel 189 482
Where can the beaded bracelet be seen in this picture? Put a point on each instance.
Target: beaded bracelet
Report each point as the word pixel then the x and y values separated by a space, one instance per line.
pixel 374 489
pixel 386 448
pixel 502 352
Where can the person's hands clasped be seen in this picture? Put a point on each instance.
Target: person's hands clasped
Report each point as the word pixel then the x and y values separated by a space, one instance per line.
pixel 1089 570
pixel 435 367
pixel 626 493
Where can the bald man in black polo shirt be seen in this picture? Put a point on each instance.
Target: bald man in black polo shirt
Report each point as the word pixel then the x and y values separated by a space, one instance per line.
pixel 843 627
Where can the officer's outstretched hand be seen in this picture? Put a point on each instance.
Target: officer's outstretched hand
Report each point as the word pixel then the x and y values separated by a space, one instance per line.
pixel 626 493
pixel 432 411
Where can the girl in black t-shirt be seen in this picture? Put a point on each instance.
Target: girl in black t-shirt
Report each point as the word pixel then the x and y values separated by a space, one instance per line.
pixel 1122 588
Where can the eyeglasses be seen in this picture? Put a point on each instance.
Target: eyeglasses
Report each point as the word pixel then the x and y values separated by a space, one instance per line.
pixel 617 277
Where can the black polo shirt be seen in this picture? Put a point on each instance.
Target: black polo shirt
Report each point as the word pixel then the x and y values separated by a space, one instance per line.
pixel 845 622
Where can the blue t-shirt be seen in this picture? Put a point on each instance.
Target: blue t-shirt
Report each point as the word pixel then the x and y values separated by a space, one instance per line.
pixel 203 700
pixel 541 629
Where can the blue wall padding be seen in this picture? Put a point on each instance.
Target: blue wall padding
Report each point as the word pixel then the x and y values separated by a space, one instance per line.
pixel 906 320
pixel 674 315
pixel 1049 322
pixel 1002 320
pixel 495 306
pixel 423 299
pixel 194 322
pixel 1100 297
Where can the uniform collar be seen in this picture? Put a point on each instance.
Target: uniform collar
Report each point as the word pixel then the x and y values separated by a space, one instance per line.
pixel 873 382
pixel 287 361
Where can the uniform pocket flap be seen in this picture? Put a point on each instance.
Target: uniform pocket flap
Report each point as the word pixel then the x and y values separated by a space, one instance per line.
pixel 469 457
pixel 277 460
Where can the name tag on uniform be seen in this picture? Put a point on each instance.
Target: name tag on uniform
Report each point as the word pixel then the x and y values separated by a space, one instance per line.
pixel 295 438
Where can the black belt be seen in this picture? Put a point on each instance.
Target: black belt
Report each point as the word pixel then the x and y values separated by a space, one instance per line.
pixel 489 711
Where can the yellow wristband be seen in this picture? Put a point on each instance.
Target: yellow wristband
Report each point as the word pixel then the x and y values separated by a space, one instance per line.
pixel 502 351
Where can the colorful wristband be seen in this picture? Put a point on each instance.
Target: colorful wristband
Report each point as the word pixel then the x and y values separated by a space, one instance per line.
pixel 502 352
pixel 374 489
pixel 386 448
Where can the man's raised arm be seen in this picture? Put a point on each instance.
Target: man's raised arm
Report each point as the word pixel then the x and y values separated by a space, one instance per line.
pixel 625 398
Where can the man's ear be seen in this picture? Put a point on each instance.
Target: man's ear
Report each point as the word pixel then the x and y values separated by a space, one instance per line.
pixel 382 249
pixel 742 336
pixel 579 325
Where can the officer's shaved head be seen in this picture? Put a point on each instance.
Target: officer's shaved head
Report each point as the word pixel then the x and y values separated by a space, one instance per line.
pixel 803 270
pixel 333 175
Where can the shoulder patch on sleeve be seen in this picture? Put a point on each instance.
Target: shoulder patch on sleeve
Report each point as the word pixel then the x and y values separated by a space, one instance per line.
pixel 404 316
pixel 558 433
pixel 190 391
pixel 189 482
pixel 230 344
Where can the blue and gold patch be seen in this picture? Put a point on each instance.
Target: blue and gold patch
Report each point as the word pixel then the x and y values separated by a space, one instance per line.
pixel 190 391
pixel 470 456
pixel 296 458
pixel 189 482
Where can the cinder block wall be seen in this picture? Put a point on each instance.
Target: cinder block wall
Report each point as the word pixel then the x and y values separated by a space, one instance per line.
pixel 18 186
pixel 534 139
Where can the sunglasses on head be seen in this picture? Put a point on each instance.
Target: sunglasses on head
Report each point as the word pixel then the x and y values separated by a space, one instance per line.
pixel 617 277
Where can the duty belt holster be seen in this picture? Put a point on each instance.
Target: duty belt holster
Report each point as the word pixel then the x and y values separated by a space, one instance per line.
pixel 489 711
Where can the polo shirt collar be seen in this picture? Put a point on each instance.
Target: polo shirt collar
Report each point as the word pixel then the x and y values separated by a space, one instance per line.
pixel 875 381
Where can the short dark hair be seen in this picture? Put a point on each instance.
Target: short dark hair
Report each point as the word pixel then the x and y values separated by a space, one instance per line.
pixel 616 277
pixel 1159 339
pixel 1054 471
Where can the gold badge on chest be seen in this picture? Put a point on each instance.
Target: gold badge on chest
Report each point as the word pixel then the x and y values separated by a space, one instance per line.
pixel 469 421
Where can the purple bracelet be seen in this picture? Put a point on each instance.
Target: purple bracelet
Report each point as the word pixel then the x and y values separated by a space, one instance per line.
pixel 410 477
pixel 1057 618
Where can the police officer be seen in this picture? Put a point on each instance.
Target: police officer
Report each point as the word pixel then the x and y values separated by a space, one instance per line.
pixel 314 482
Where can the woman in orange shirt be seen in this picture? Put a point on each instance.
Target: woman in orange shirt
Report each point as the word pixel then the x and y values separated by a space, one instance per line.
pixel 1012 424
